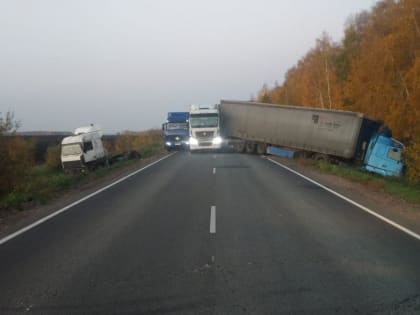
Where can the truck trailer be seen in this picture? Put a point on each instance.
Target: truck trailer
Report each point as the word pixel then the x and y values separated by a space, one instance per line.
pixel 319 133
pixel 175 131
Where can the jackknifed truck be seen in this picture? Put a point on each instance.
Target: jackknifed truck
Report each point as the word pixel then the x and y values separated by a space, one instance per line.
pixel 313 132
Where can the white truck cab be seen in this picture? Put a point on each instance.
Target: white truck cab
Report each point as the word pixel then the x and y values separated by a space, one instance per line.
pixel 205 128
pixel 84 149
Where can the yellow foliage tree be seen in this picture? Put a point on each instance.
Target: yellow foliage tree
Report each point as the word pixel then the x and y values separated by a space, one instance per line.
pixel 53 156
pixel 374 70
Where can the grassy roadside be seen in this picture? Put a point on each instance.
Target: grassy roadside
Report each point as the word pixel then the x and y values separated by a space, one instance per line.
pixel 398 187
pixel 44 183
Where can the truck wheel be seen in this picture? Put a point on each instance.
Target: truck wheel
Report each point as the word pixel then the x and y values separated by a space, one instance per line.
pixel 250 147
pixel 261 148
pixel 239 146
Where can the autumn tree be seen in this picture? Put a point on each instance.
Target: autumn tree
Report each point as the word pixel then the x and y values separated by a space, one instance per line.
pixel 16 155
pixel 381 78
pixel 375 70
pixel 264 94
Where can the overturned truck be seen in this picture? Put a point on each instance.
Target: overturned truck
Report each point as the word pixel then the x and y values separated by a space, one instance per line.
pixel 83 150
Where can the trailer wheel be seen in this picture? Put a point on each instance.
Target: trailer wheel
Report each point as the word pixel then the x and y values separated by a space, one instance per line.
pixel 261 148
pixel 250 147
pixel 239 146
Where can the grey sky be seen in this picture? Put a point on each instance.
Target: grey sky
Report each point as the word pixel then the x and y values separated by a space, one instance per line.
pixel 124 64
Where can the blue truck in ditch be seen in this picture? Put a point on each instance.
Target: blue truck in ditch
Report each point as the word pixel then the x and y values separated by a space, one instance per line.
pixel 176 131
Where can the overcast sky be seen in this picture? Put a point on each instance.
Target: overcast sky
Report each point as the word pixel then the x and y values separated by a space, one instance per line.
pixel 124 64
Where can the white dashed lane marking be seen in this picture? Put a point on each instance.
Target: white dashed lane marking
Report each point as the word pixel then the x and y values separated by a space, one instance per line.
pixel 213 219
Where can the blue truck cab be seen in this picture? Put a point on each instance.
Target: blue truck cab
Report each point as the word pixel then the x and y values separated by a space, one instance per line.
pixel 384 155
pixel 175 131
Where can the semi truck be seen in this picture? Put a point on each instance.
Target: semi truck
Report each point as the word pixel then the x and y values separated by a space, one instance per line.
pixel 319 133
pixel 83 150
pixel 175 131
pixel 205 128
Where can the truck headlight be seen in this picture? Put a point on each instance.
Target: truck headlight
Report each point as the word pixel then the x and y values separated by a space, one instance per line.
pixel 217 140
pixel 193 141
pixel 168 144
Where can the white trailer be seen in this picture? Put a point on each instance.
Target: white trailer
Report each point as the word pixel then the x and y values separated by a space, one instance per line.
pixel 83 150
pixel 320 133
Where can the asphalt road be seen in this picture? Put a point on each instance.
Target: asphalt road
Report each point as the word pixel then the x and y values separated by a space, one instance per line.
pixel 212 234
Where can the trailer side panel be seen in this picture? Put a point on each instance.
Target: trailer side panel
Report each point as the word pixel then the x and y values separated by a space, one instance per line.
pixel 317 130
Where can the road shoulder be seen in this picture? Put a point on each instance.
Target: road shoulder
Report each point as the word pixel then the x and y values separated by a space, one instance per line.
pixel 396 209
pixel 17 220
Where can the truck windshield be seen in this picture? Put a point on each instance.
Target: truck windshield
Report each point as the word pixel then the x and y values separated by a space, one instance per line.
pixel 71 149
pixel 394 154
pixel 204 120
pixel 175 126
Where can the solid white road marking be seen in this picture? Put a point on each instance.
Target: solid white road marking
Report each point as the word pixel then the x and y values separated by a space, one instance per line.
pixel 213 219
pixel 214 170
pixel 50 216
pixel 371 212
pixel 213 259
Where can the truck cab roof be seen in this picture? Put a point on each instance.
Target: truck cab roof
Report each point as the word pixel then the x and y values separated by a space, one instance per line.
pixel 88 129
pixel 178 116
pixel 204 109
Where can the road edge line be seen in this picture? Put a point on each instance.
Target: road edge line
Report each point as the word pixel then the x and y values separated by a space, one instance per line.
pixel 366 209
pixel 55 213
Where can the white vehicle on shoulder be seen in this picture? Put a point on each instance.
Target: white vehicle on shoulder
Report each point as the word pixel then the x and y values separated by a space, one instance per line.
pixel 83 150
pixel 205 128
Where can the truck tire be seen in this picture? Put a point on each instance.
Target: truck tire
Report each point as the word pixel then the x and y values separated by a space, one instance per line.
pixel 250 147
pixel 261 148
pixel 239 146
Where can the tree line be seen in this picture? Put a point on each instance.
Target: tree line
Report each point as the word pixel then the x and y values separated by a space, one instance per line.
pixel 374 69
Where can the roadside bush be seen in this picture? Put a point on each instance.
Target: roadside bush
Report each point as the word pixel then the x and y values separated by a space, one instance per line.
pixel 52 157
pixel 412 159
pixel 16 156
pixel 138 141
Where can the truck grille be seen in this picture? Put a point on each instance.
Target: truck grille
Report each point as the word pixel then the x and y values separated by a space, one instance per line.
pixel 204 134
pixel 175 138
pixel 73 165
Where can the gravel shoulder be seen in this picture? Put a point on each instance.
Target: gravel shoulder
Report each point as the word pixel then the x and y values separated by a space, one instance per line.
pixel 375 198
pixel 16 219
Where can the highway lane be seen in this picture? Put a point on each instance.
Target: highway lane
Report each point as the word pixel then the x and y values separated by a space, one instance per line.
pixel 280 245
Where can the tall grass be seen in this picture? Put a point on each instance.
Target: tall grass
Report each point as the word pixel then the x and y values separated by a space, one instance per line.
pixel 43 182
pixel 396 186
